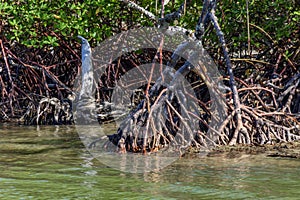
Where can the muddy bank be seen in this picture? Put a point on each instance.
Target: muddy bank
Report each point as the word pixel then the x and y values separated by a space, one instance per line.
pixel 284 149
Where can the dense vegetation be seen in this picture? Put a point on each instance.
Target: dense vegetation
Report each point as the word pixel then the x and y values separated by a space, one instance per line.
pixel 40 54
pixel 37 23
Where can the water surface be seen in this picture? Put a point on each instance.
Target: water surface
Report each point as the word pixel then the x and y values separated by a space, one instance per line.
pixel 52 163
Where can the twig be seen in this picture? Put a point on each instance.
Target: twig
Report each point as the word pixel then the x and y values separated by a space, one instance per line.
pixel 139 8
pixel 248 27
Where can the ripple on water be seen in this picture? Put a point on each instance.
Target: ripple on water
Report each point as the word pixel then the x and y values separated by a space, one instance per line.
pixel 51 164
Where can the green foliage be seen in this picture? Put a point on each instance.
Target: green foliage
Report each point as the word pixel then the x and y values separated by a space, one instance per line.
pixel 278 18
pixel 39 22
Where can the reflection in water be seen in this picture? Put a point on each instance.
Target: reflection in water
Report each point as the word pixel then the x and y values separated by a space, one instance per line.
pixel 52 163
pixel 107 152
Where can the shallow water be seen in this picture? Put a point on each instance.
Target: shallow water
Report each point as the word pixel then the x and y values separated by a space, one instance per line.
pixel 52 163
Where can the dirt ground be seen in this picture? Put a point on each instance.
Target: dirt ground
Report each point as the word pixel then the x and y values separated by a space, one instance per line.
pixel 287 150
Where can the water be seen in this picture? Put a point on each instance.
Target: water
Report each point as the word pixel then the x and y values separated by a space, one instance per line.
pixel 51 163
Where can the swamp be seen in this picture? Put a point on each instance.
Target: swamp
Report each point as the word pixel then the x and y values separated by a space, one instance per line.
pixel 148 99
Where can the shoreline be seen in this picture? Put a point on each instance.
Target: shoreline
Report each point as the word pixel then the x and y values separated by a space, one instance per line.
pixel 282 150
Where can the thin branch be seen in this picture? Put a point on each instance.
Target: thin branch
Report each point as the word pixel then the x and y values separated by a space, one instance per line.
pixel 141 9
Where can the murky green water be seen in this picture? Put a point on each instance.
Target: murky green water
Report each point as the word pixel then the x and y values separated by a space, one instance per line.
pixel 51 163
